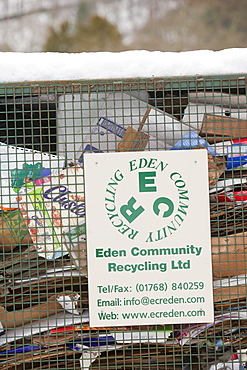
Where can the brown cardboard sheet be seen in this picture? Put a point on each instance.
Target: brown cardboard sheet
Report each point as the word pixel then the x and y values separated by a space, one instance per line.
pixel 19 318
pixel 229 255
pixel 219 128
pixel 230 293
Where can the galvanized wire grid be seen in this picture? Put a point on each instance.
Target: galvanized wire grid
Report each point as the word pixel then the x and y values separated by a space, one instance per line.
pixel 44 130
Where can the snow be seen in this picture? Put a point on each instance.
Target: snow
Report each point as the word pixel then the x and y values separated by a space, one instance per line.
pixel 20 67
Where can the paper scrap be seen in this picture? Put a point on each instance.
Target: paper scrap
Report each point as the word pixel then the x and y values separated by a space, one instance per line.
pixel 55 212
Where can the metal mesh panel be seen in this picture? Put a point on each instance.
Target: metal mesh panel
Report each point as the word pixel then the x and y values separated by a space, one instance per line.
pixel 45 129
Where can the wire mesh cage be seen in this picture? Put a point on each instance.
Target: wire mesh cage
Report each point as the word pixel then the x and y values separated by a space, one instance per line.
pixel 46 130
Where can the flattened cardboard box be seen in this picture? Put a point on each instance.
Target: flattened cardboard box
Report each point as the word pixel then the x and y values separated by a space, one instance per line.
pixel 229 255
pixel 55 212
pixel 13 231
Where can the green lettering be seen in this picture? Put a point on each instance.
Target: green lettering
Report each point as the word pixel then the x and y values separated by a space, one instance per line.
pixel 112 267
pixel 143 163
pixel 182 194
pixel 99 252
pixel 133 165
pixel 133 234
pixel 124 229
pixel 182 206
pixel 161 164
pixel 167 202
pixel 146 178
pixel 150 237
pixel 129 212
pixel 152 163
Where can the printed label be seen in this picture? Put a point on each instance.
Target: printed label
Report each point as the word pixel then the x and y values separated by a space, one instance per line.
pixel 148 231
pixel 55 212
pixel 111 126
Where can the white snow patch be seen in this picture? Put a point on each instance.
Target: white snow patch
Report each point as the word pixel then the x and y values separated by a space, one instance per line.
pixel 16 67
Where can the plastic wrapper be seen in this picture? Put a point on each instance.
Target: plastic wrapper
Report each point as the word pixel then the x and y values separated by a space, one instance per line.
pixel 54 210
pixel 19 165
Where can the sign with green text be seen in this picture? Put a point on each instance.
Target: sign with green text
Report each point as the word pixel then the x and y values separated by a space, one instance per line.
pixel 148 238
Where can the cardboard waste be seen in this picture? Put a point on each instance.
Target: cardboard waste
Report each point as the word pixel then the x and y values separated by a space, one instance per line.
pixel 43 271
pixel 14 231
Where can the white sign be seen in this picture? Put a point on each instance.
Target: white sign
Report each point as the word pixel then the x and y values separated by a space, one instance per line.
pixel 148 238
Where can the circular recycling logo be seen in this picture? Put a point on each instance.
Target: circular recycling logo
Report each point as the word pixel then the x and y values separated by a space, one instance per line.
pixel 148 201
